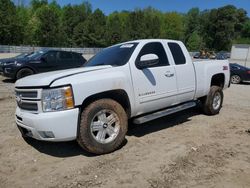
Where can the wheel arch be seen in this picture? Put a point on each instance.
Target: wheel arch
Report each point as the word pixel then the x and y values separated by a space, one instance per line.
pixel 118 95
pixel 26 67
pixel 218 80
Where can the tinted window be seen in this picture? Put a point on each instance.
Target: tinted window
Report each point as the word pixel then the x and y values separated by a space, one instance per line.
pixel 177 53
pixel 65 55
pixel 157 49
pixel 115 56
pixel 50 57
pixel 75 56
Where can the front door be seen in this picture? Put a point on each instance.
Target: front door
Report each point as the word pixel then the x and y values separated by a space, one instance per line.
pixel 155 87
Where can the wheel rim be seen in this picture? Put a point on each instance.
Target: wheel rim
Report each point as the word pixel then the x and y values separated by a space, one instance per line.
pixel 217 101
pixel 105 126
pixel 235 79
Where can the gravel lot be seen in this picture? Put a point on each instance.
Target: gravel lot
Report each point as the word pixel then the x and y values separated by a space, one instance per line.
pixel 187 149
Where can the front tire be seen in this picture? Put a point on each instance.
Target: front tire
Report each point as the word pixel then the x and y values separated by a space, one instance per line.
pixel 103 126
pixel 23 73
pixel 212 103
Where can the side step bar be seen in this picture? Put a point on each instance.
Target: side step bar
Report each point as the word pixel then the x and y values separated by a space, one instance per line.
pixel 164 112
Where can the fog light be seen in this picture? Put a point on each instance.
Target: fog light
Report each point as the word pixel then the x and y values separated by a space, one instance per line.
pixel 46 134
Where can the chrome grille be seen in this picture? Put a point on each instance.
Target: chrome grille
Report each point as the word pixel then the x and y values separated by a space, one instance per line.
pixel 27 94
pixel 28 106
pixel 29 99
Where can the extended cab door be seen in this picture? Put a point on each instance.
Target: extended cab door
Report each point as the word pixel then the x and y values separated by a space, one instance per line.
pixel 154 87
pixel 185 73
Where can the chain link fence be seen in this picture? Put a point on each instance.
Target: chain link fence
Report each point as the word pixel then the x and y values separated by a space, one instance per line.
pixel 26 49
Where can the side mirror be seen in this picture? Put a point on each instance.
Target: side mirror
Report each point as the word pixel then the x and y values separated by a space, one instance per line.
pixel 44 59
pixel 148 60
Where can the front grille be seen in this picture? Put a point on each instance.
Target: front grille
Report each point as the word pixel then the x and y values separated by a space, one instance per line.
pixel 27 94
pixel 28 99
pixel 28 106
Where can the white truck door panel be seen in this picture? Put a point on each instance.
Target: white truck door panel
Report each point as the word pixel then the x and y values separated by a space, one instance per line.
pixel 185 72
pixel 156 85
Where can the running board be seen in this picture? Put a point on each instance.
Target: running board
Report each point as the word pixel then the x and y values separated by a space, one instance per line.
pixel 164 112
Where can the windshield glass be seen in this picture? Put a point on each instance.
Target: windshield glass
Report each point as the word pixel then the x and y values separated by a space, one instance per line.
pixel 23 55
pixel 35 55
pixel 115 56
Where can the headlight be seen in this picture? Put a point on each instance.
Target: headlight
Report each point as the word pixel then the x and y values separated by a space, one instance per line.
pixel 57 99
pixel 10 63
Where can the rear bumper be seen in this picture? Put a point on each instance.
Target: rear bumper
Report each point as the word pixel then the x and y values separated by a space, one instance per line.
pixel 50 126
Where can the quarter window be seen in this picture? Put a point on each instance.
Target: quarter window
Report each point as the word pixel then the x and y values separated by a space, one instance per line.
pixel 177 53
pixel 65 55
pixel 157 49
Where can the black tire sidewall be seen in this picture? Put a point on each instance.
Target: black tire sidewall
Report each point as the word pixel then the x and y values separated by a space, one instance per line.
pixel 85 137
pixel 23 70
pixel 208 106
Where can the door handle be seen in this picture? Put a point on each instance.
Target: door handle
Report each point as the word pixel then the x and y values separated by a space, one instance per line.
pixel 169 74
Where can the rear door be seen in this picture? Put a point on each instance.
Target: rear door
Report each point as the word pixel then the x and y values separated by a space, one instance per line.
pixel 155 87
pixel 185 73
pixel 65 60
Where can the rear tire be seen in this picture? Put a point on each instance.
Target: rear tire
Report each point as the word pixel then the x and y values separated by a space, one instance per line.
pixel 212 103
pixel 23 73
pixel 235 79
pixel 103 126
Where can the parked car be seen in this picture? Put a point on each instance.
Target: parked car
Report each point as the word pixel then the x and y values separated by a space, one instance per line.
pixel 140 80
pixel 239 73
pixel 225 54
pixel 197 55
pixel 221 56
pixel 42 61
pixel 20 56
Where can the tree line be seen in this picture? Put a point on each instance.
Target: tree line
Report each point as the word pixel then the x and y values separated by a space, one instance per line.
pixel 49 24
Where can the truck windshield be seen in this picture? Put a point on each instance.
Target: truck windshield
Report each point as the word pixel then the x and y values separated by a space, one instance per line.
pixel 115 56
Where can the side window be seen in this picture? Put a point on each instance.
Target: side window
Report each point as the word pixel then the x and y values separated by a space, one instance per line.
pixel 65 55
pixel 155 48
pixel 177 53
pixel 50 57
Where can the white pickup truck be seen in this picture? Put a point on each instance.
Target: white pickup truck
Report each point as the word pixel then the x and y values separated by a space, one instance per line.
pixel 140 80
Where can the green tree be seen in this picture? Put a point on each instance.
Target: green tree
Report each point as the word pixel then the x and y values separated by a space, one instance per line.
pixel 114 29
pixel 222 26
pixel 91 33
pixel 71 17
pixel 36 4
pixel 194 42
pixel 173 26
pixel 47 32
pixel 136 25
pixel 192 23
pixel 9 28
pixel 246 29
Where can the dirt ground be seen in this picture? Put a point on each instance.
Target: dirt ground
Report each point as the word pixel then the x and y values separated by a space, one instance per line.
pixel 187 149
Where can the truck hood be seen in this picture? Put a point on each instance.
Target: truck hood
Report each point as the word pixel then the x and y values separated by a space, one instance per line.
pixel 45 79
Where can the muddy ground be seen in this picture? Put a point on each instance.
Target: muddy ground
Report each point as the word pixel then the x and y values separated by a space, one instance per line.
pixel 187 149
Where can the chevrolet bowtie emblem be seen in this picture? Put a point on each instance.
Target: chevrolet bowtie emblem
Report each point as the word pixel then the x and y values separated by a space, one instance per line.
pixel 19 99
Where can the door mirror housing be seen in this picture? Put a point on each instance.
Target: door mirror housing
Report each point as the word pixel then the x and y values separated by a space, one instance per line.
pixel 44 59
pixel 148 60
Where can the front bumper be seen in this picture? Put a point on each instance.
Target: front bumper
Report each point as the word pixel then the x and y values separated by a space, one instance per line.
pixel 7 71
pixel 62 125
